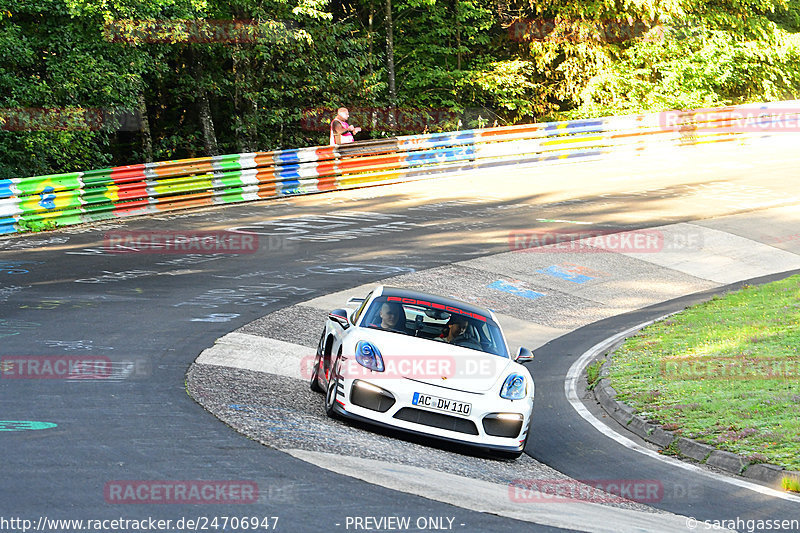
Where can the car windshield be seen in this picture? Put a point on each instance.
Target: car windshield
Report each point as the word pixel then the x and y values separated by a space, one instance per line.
pixel 435 321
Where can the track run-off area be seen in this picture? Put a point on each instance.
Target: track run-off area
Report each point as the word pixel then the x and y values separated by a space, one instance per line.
pixel 717 215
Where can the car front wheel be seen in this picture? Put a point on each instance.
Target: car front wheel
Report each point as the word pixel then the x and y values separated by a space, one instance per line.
pixel 315 386
pixel 333 387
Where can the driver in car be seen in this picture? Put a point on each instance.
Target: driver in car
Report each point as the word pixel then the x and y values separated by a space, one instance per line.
pixel 454 330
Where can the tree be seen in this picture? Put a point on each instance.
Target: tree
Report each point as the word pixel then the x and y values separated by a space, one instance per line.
pixel 63 89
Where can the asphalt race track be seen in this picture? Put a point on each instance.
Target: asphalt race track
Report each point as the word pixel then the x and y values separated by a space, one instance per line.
pixel 143 426
pixel 565 445
pixel 70 294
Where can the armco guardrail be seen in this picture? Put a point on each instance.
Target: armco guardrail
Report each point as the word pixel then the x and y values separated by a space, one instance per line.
pixel 95 195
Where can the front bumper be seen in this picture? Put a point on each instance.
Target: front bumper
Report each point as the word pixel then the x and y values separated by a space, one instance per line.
pixel 394 409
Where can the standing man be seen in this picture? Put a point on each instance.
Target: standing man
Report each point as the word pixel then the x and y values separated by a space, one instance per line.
pixel 341 131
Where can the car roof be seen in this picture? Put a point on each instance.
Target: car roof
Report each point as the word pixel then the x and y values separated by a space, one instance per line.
pixel 452 302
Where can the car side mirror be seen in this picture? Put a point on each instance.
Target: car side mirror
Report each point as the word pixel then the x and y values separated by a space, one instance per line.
pixel 524 355
pixel 340 317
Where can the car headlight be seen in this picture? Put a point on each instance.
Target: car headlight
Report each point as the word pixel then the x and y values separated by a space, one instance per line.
pixel 514 388
pixel 369 356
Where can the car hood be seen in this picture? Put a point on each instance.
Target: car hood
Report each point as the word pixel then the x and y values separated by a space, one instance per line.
pixel 436 363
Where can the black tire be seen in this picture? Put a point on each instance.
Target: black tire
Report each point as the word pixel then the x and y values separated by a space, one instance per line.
pixel 314 383
pixel 333 388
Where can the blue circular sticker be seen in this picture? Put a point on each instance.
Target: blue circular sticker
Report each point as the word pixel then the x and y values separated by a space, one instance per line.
pixel 24 425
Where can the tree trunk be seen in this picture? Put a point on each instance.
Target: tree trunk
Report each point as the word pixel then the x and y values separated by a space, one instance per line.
pixel 369 32
pixel 207 123
pixel 373 115
pixel 458 36
pixel 144 128
pixel 390 61
pixel 204 109
pixel 252 130
pixel 246 107
pixel 237 103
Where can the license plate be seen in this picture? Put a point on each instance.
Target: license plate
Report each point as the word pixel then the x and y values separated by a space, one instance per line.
pixel 441 404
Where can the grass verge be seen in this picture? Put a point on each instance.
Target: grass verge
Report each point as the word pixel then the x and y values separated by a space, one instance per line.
pixel 791 483
pixel 593 374
pixel 725 372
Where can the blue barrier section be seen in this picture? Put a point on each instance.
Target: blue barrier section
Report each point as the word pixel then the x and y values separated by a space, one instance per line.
pixel 288 171
pixel 287 156
pixel 575 126
pixel 7 226
pixel 441 155
pixel 6 208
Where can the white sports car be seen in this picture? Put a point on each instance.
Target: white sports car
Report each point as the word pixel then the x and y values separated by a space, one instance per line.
pixel 425 364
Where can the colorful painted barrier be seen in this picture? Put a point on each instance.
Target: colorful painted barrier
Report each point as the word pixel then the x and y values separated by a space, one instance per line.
pixel 94 195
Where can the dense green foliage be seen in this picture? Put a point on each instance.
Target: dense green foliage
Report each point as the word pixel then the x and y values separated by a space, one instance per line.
pixel 73 73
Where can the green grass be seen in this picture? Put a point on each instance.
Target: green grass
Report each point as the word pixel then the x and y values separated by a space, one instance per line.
pixel 724 372
pixel 593 374
pixel 791 483
pixel 24 226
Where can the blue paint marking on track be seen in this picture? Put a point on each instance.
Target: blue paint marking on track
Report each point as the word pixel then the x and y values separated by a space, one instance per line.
pixel 558 272
pixel 239 407
pixel 24 425
pixel 513 289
